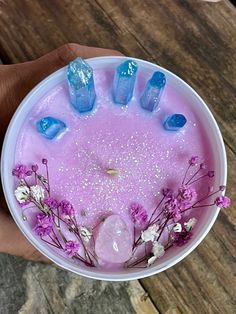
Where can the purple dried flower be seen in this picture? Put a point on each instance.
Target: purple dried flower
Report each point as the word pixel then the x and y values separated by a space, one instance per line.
pixel 181 238
pixel 66 208
pixel 167 192
pixel 44 161
pixel 44 225
pixel 138 213
pixel 202 165
pixel 223 201
pixel 71 248
pixel 222 187
pixel 29 173
pixel 172 206
pixel 34 168
pixel 20 171
pixel 187 193
pixel 193 160
pixel 211 173
pixel 51 202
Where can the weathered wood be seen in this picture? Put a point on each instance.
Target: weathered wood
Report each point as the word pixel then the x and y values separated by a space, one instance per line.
pixel 197 41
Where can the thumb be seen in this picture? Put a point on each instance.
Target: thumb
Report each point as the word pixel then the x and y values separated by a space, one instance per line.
pixel 35 71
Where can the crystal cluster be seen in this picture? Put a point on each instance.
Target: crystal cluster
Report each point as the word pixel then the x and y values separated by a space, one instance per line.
pixel 81 85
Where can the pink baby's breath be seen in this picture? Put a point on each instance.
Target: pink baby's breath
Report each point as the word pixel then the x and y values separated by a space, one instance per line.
pixel 188 193
pixel 66 208
pixel 20 171
pixel 71 248
pixel 44 225
pixel 34 168
pixel 193 160
pixel 223 201
pixel 172 206
pixel 51 202
pixel 167 192
pixel 211 174
pixel 138 213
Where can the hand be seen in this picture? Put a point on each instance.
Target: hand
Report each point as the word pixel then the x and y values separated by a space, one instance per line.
pixel 15 82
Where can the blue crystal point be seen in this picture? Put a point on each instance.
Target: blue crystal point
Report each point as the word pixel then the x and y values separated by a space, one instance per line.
pixel 123 83
pixel 174 122
pixel 50 127
pixel 153 91
pixel 81 85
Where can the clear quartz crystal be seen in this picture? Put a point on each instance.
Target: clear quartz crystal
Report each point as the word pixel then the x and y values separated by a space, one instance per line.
pixel 123 83
pixel 174 122
pixel 50 127
pixel 81 85
pixel 153 91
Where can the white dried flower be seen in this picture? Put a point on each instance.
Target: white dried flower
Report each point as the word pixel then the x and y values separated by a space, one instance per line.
pixel 177 227
pixel 85 234
pixel 158 249
pixel 22 193
pixel 150 233
pixel 37 192
pixel 151 260
pixel 190 224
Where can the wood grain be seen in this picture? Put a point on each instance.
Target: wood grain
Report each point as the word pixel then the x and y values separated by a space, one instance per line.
pixel 197 41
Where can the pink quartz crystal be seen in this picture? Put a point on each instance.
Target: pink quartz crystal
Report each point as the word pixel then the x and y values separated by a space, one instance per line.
pixel 113 243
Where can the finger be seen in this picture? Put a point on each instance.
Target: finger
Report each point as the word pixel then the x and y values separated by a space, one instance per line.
pixel 37 70
pixel 13 242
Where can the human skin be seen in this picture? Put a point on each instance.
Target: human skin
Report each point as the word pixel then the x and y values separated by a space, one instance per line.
pixel 16 81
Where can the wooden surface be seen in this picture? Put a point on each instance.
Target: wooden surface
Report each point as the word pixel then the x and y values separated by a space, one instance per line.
pixel 197 41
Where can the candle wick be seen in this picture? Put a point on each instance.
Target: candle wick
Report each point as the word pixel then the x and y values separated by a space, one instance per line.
pixel 112 172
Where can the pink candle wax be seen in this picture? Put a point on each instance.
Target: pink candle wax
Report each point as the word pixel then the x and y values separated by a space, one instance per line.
pixel 128 139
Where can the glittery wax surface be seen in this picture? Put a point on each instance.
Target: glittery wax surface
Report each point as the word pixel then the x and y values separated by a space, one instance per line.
pixel 127 139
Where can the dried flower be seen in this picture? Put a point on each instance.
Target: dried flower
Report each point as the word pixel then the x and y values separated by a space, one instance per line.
pixel 193 160
pixel 150 233
pixel 190 224
pixel 66 208
pixel 22 194
pixel 44 225
pixel 44 161
pixel 85 234
pixel 151 260
pixel 222 187
pixel 71 248
pixel 20 171
pixel 181 238
pixel 172 206
pixel 158 249
pixel 177 227
pixel 34 168
pixel 138 213
pixel 167 192
pixel 211 173
pixel 188 193
pixel 223 201
pixel 37 193
pixel 202 165
pixel 51 202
